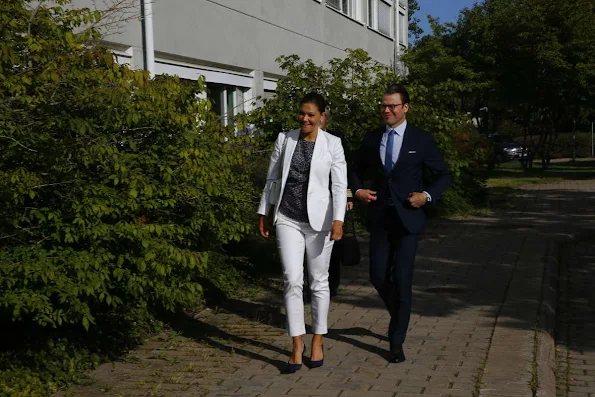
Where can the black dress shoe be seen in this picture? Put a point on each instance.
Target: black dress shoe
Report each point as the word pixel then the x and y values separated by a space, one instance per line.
pixel 397 355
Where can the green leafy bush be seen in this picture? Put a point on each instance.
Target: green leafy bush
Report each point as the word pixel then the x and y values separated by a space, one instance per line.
pixel 18 384
pixel 117 190
pixel 353 87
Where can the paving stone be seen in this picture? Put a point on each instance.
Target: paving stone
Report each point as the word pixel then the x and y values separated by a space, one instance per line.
pixel 477 289
pixel 576 319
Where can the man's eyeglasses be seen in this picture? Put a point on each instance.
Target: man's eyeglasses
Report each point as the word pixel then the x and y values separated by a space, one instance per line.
pixel 391 106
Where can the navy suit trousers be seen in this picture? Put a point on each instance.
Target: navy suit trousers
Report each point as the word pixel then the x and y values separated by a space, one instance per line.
pixel 392 258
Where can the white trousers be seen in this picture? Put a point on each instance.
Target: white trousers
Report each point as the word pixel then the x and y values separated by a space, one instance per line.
pixel 293 238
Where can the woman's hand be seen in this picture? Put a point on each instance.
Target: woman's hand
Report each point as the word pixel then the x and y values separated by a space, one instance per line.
pixel 336 230
pixel 263 226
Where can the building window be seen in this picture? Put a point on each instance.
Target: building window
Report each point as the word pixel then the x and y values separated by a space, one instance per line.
pixel 372 14
pixel 227 101
pixel 345 6
pixel 384 13
pixel 379 16
pixel 403 28
pixel 268 95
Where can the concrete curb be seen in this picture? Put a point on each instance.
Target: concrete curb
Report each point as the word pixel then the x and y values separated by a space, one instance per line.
pixel 546 351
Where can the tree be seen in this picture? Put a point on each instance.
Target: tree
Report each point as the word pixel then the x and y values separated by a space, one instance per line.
pixel 415 30
pixel 118 192
pixel 532 58
pixel 434 62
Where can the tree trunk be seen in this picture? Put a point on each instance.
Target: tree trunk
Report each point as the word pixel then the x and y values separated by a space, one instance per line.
pixel 525 161
pixel 573 141
pixel 551 133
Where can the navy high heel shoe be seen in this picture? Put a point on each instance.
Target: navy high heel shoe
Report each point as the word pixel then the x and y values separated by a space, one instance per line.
pixel 293 368
pixel 318 363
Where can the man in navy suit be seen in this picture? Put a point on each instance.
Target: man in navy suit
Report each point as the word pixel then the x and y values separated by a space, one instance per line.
pixel 391 162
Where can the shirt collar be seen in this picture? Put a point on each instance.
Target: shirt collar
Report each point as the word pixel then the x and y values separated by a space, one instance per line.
pixel 400 130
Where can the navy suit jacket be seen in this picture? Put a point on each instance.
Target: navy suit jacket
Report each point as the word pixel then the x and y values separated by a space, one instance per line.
pixel 418 152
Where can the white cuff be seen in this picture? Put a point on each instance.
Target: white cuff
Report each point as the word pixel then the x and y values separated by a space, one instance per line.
pixel 429 196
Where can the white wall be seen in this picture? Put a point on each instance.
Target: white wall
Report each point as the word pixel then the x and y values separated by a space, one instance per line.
pixel 236 42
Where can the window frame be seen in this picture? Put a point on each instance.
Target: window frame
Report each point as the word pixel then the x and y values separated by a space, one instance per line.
pixel 372 12
pixel 225 92
pixel 402 27
pixel 352 6
pixel 390 19
pixel 374 5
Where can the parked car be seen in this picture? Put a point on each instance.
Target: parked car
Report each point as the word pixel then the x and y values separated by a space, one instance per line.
pixel 506 149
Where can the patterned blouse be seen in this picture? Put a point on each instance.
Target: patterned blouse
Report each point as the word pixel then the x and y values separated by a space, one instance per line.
pixel 295 195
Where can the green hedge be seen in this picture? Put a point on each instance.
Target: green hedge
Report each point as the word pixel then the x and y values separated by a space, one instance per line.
pixel 119 194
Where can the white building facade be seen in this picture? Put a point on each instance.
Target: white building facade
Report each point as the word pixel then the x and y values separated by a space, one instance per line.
pixel 234 43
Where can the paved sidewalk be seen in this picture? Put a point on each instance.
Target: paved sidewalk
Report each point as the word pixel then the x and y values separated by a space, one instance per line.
pixel 575 331
pixel 477 295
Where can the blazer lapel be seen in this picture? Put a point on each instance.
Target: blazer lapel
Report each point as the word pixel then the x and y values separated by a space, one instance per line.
pixel 292 138
pixel 377 141
pixel 319 147
pixel 408 142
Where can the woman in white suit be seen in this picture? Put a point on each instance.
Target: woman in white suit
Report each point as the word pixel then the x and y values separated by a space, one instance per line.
pixel 309 166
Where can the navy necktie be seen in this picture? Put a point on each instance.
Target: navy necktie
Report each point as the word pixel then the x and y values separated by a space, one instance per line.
pixel 388 156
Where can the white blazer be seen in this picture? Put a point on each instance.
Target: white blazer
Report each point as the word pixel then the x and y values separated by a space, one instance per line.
pixel 328 161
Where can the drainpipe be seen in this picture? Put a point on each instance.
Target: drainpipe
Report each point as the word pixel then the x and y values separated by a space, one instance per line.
pixel 148 43
pixel 395 18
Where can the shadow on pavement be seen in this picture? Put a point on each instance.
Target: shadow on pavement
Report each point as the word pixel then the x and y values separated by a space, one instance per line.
pixel 226 341
pixel 462 263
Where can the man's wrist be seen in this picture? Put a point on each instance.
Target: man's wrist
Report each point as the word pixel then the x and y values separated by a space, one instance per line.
pixel 428 197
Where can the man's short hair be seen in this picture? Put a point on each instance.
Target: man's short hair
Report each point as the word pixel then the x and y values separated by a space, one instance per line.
pixel 395 88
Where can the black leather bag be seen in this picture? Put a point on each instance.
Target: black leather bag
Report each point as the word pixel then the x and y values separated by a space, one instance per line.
pixel 348 248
